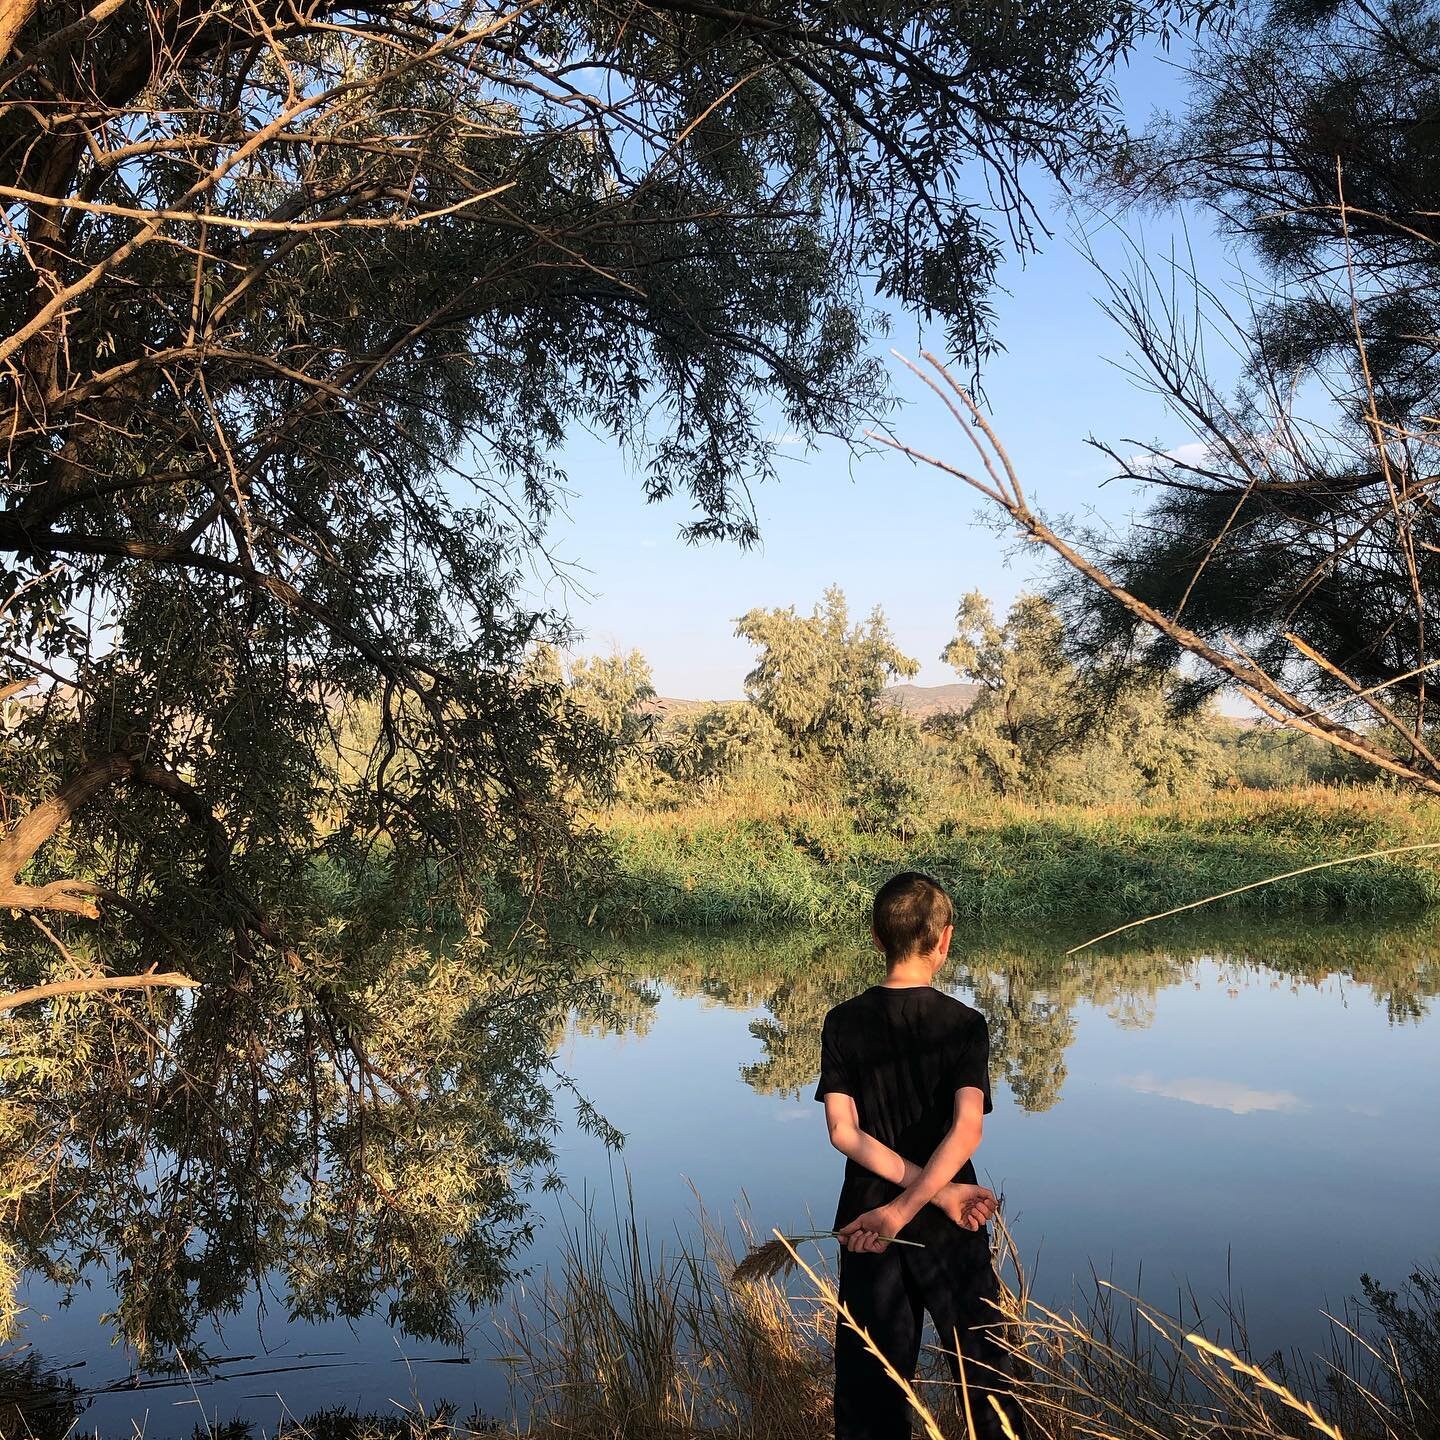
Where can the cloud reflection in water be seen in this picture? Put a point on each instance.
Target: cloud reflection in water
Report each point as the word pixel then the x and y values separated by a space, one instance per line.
pixel 1214 1094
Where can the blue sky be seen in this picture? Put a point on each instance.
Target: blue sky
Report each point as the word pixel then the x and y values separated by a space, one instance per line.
pixel 888 532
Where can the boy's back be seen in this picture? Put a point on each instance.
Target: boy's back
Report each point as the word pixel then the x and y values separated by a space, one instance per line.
pixel 904 1077
pixel 901 1054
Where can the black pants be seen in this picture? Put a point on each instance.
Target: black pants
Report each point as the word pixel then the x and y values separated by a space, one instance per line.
pixel 888 1295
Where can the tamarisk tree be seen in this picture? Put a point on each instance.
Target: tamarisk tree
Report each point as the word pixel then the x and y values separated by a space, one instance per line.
pixel 1293 546
pixel 297 302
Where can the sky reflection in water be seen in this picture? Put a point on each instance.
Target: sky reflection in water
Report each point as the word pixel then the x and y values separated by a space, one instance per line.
pixel 1263 1116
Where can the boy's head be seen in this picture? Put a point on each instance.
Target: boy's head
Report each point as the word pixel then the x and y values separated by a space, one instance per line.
pixel 912 916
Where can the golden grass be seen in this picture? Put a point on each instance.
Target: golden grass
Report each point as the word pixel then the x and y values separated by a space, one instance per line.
pixel 1323 806
pixel 630 1342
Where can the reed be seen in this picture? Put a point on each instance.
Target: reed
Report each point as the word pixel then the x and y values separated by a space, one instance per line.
pixel 687 1345
pixel 1011 861
pixel 779 1256
pixel 633 1340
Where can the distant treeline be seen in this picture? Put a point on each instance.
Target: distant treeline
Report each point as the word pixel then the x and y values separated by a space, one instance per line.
pixel 817 724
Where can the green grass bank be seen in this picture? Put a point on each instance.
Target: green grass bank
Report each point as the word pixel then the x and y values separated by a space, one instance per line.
pixel 1007 861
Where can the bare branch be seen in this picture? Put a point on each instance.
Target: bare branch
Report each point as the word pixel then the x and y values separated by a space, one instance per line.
pixel 92 984
pixel 1273 697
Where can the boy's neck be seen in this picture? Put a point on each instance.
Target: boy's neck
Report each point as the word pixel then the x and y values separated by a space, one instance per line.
pixel 914 972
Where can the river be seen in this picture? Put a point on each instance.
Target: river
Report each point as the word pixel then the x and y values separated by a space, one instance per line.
pixel 1231 1110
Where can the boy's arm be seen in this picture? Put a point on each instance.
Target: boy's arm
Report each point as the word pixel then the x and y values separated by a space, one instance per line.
pixel 843 1121
pixel 962 1203
pixel 871 1229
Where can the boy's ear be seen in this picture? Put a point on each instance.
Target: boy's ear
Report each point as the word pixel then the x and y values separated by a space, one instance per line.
pixel 946 935
pixel 875 940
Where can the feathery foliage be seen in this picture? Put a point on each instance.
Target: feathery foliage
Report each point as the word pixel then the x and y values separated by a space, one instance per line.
pixel 297 302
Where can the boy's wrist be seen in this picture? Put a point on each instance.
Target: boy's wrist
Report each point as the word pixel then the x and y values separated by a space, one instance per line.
pixel 906 1207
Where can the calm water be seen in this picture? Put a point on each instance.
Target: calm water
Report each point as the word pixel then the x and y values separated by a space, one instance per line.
pixel 1244 1109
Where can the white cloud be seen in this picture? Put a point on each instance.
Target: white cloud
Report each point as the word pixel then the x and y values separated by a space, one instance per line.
pixel 1196 452
pixel 784 438
pixel 1214 1094
pixel 791 1115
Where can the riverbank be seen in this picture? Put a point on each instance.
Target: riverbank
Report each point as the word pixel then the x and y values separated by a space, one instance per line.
pixel 1010 861
pixel 635 1341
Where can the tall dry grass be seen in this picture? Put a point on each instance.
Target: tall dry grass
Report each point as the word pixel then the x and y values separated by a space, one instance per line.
pixel 634 1341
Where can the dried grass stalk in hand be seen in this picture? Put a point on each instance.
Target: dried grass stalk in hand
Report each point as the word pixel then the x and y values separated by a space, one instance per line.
pixel 777 1256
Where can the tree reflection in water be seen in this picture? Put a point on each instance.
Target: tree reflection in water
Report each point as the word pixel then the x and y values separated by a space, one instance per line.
pixel 170 1265
pixel 1022 981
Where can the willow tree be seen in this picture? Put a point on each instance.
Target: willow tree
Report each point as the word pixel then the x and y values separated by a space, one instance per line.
pixel 297 301
pixel 817 678
pixel 1042 725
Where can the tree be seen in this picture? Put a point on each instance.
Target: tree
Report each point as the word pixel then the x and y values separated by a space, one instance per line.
pixel 1293 544
pixel 1044 726
pixel 1307 137
pixel 1142 740
pixel 1028 711
pixel 893 777
pixel 1152 634
pixel 612 692
pixel 296 302
pixel 724 744
pixel 817 678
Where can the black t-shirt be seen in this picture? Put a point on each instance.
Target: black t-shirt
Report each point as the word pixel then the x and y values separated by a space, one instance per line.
pixel 901 1054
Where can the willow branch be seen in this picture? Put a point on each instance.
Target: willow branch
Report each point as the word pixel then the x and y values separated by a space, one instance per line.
pixel 88 984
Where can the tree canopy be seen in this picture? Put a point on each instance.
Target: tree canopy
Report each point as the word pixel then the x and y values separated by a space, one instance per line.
pixel 1028 711
pixel 297 302
pixel 1043 725
pixel 817 677
pixel 1295 539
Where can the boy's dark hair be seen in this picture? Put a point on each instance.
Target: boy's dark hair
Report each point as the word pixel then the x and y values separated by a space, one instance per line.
pixel 910 912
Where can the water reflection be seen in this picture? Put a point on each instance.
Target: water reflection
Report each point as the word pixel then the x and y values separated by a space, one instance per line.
pixel 1215 1094
pixel 1029 989
pixel 1136 1084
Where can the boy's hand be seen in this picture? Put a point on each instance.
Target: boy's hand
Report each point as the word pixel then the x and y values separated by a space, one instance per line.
pixel 969 1206
pixel 867 1233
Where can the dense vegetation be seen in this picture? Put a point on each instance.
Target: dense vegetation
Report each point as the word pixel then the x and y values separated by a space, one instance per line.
pixel 1062 789
pixel 1019 861
pixel 818 725
pixel 298 302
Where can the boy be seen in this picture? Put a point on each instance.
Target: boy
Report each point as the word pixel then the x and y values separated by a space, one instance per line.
pixel 904 1077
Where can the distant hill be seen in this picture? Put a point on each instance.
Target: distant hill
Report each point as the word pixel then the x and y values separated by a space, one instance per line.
pixel 917 701
pixel 922 701
pixel 664 706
